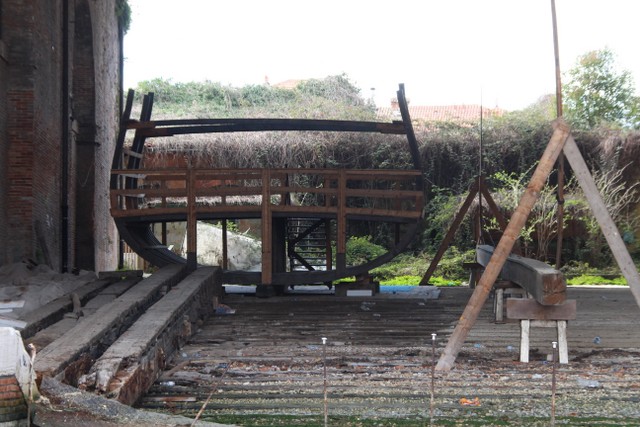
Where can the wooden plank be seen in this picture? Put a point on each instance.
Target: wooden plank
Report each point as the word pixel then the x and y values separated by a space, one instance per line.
pixel 122 274
pixel 95 332
pixel 563 345
pixel 543 282
pixel 527 308
pixel 341 232
pixel 525 333
pixel 12 323
pixel 267 225
pixel 54 310
pixel 411 137
pixel 11 304
pixel 525 329
pixel 127 369
pixel 192 223
pixel 180 127
pixel 505 245
pixel 599 209
pixel 117 154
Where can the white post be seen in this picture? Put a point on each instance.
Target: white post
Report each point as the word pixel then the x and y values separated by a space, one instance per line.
pixel 525 325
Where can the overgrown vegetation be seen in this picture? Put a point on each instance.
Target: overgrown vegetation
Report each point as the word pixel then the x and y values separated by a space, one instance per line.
pixel 123 14
pixel 449 152
pixel 334 97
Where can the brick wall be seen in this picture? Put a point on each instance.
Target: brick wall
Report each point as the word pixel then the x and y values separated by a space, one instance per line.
pixel 18 102
pixel 31 131
pixel 12 403
pixel 3 138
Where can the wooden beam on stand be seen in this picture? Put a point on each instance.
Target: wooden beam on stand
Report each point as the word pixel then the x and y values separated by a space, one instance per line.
pixel 544 283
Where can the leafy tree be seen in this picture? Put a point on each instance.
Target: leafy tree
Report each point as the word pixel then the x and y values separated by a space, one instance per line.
pixel 598 93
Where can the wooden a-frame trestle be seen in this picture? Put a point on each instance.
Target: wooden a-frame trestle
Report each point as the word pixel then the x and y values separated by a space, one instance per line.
pixel 561 141
pixel 477 187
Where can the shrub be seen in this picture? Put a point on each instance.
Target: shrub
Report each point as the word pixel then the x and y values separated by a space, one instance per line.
pixel 361 249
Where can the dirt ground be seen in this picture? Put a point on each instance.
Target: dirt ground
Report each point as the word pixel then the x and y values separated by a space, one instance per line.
pixel 264 365
pixel 69 407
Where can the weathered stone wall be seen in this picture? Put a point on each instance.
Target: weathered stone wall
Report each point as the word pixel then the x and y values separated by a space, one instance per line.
pixel 40 139
pixel 107 87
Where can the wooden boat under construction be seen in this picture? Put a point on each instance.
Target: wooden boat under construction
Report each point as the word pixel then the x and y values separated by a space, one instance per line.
pixel 300 243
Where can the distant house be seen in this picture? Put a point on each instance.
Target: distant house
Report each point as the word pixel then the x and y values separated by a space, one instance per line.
pixel 287 84
pixel 441 113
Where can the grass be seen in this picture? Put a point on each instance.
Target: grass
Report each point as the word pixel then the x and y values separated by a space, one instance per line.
pixel 411 280
pixel 354 421
pixel 588 279
pixel 408 280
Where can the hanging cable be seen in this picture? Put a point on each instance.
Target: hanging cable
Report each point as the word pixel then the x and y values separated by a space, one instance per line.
pixel 561 174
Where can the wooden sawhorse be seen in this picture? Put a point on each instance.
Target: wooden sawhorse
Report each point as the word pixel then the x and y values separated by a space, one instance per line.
pixel 531 313
pixel 504 289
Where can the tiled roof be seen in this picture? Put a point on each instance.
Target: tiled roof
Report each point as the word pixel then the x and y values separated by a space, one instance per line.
pixel 449 113
pixel 288 84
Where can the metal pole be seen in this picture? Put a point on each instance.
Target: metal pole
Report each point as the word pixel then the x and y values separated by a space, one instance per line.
pixel 560 191
pixel 324 363
pixel 553 385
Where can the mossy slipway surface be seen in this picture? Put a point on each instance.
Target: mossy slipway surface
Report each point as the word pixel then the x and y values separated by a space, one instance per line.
pixel 263 365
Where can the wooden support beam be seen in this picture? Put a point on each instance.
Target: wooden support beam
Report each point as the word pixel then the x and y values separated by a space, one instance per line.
pixel 192 222
pixel 599 209
pixel 444 245
pixel 561 327
pixel 527 308
pixel 543 282
pixel 267 250
pixel 477 186
pixel 341 220
pixel 493 207
pixel 517 222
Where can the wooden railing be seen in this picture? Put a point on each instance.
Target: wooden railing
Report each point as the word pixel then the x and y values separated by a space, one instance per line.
pixel 190 194
pixel 229 192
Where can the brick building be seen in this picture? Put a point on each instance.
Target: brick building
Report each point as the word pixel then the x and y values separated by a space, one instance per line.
pixel 60 74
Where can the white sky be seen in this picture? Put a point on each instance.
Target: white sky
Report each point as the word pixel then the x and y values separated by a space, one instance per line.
pixel 498 52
